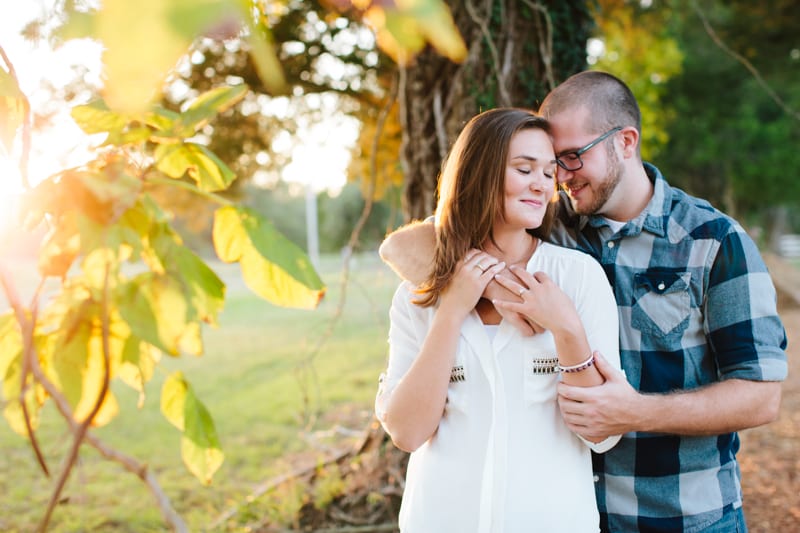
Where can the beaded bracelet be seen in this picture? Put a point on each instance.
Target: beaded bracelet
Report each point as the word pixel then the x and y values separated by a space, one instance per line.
pixel 580 366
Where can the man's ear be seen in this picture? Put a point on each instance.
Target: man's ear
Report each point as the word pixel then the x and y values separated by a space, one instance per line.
pixel 630 142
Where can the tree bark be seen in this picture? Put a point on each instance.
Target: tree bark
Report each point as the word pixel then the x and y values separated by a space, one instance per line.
pixel 518 50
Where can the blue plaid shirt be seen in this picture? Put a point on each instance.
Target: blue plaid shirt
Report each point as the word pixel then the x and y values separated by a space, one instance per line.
pixel 696 306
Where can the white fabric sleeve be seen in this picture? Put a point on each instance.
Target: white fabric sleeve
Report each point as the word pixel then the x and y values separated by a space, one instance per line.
pixel 598 311
pixel 404 345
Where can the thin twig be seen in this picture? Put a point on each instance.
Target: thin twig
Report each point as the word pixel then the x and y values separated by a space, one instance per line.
pixel 129 463
pixel 28 354
pixel 80 431
pixel 352 243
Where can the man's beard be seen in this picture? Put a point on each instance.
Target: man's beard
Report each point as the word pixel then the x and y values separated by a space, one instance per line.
pixel 606 188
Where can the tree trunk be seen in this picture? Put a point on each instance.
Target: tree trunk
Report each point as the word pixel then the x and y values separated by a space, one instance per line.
pixel 518 50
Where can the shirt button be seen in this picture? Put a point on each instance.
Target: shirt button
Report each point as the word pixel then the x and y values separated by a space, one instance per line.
pixel 596 478
pixel 610 244
pixel 661 286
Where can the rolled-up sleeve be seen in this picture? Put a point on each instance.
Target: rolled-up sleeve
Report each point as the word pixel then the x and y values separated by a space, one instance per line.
pixel 745 332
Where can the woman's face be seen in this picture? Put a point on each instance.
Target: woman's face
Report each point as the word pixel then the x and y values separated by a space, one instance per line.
pixel 529 180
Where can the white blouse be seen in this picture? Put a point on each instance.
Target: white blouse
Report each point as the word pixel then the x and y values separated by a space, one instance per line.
pixel 502 460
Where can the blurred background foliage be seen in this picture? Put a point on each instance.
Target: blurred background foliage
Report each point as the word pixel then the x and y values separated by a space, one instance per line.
pixel 718 82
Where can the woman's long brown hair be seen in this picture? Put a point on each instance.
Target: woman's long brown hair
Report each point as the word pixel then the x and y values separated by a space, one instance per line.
pixel 472 190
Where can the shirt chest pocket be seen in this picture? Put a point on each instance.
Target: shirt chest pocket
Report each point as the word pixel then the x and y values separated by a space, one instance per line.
pixel 461 378
pixel 662 302
pixel 541 378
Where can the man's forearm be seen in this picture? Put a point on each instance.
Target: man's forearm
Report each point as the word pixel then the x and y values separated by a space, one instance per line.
pixel 409 251
pixel 723 407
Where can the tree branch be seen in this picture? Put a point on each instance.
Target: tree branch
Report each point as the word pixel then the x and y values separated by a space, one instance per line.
pixel 505 98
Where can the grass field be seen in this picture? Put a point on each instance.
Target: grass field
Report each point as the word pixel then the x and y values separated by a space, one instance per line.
pixel 259 366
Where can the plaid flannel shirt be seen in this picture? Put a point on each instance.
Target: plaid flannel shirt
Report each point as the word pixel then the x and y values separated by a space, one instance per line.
pixel 696 306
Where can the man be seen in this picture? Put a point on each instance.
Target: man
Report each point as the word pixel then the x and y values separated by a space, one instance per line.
pixel 701 343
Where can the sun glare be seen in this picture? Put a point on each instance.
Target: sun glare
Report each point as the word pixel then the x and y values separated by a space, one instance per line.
pixel 10 191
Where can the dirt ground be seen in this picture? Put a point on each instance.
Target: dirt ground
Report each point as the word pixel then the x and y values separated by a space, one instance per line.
pixel 770 455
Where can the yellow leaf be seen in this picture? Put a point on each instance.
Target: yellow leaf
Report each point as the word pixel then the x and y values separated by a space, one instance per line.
pixel 403 29
pixel 200 446
pixel 272 266
pixel 173 399
pixel 12 109
pixel 140 48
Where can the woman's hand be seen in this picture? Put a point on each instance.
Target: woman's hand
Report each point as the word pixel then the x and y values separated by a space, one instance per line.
pixel 543 302
pixel 472 275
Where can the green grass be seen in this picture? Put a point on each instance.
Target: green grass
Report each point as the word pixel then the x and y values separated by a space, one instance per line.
pixel 251 379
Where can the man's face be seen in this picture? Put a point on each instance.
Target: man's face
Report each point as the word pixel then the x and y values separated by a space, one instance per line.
pixel 592 188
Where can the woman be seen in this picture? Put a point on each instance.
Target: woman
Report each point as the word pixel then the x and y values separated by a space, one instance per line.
pixel 472 399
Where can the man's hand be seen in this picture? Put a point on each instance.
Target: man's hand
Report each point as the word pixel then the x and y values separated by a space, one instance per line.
pixel 599 412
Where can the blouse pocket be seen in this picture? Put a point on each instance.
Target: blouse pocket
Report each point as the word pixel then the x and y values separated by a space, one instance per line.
pixel 662 302
pixel 541 377
pixel 457 388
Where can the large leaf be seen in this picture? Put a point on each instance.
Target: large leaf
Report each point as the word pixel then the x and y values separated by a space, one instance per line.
pixel 156 309
pixel 272 266
pixel 203 288
pixel 96 117
pixel 211 103
pixel 200 446
pixel 137 365
pixel 160 32
pixel 77 363
pixel 209 171
pixel 402 28
pixel 12 110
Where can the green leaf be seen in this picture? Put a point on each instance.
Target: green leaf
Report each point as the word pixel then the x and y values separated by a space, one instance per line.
pixel 137 365
pixel 210 172
pixel 209 104
pixel 69 359
pixel 155 308
pixel 203 288
pixel 272 266
pixel 265 59
pixel 200 447
pixel 12 109
pixel 96 117
pixel 173 399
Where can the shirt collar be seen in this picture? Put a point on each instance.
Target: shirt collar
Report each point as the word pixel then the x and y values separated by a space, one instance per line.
pixel 655 215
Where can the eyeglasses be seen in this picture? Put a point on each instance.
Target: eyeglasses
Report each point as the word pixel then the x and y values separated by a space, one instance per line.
pixel 572 160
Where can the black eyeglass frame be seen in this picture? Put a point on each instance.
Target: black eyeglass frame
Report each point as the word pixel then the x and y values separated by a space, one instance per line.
pixel 580 151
